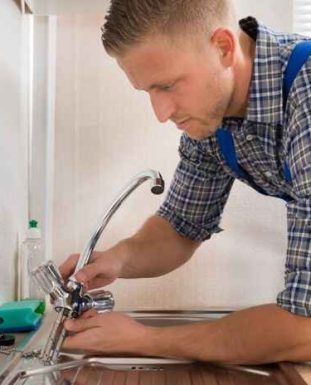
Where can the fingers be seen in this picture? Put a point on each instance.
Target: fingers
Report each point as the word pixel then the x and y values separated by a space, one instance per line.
pixel 89 314
pixel 81 324
pixel 84 275
pixel 67 268
pixel 87 273
pixel 95 274
pixel 99 282
pixel 84 338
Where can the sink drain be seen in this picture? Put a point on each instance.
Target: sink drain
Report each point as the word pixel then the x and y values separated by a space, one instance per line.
pixel 147 368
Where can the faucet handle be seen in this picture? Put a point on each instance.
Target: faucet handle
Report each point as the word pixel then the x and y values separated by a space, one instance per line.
pixel 55 273
pixel 100 300
pixel 49 280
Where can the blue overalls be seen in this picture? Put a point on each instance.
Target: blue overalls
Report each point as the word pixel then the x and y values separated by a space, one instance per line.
pixel 298 57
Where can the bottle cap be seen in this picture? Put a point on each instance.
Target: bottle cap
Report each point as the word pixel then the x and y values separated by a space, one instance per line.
pixel 33 231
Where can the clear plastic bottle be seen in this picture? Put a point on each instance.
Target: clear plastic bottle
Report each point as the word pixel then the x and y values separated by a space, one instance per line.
pixel 32 255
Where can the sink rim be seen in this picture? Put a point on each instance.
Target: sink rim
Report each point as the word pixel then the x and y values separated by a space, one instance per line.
pixel 107 363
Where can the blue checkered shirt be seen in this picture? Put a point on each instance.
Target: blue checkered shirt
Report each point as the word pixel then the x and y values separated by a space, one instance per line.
pixel 264 140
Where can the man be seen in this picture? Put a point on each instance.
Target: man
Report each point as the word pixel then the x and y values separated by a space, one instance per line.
pixel 202 71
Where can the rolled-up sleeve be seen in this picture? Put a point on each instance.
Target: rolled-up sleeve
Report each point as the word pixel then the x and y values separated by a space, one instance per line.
pixel 297 294
pixel 198 192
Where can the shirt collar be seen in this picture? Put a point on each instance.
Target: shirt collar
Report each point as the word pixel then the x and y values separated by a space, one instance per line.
pixel 265 103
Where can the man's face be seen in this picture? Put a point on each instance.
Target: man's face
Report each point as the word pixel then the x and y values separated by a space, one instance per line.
pixel 187 82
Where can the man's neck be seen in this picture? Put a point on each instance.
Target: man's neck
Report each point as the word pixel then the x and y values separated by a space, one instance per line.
pixel 243 76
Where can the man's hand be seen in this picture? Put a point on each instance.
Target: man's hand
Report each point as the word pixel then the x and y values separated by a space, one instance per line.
pixel 258 335
pixel 155 250
pixel 107 333
pixel 103 269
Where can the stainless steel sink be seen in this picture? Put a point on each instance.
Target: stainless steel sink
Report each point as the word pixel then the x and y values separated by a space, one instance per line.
pixel 75 368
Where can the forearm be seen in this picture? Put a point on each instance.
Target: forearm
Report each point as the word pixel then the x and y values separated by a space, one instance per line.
pixel 256 335
pixel 154 250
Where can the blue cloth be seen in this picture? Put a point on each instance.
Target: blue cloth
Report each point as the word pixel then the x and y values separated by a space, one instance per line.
pixel 264 140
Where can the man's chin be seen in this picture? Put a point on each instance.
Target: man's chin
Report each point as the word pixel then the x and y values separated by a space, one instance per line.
pixel 198 136
pixel 198 130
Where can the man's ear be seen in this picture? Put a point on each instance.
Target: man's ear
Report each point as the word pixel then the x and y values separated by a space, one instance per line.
pixel 223 40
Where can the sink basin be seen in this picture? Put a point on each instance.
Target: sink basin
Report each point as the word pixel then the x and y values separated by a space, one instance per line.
pixel 75 368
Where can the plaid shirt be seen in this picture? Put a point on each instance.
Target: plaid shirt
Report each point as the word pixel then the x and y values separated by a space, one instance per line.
pixel 264 140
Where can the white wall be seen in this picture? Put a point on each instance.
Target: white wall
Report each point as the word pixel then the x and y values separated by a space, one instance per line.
pixel 13 143
pixel 41 181
pixel 277 14
pixel 105 133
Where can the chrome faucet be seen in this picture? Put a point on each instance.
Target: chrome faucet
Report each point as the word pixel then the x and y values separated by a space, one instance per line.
pixel 157 187
pixel 69 298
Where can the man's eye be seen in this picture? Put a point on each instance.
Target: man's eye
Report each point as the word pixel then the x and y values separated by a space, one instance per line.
pixel 168 87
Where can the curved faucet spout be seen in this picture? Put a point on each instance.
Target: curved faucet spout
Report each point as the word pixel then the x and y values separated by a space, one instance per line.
pixel 157 187
pixel 71 300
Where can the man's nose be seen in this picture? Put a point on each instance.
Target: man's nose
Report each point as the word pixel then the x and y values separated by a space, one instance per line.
pixel 163 107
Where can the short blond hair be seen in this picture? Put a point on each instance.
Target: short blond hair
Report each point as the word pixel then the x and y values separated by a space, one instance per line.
pixel 129 22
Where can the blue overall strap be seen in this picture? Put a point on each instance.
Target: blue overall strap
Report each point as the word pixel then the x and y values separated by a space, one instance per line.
pixel 226 145
pixel 297 59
